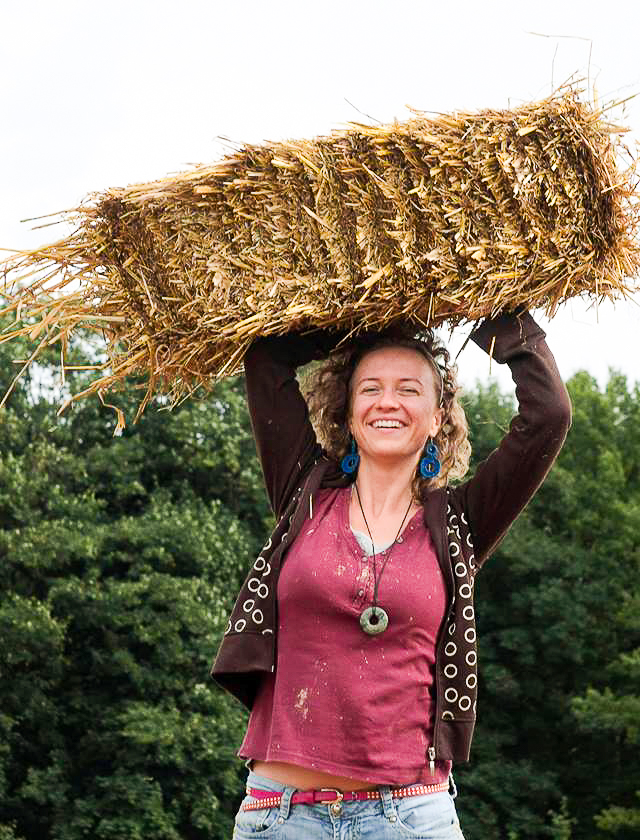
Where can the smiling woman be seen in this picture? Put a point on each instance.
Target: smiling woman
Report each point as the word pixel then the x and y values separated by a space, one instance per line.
pixel 353 641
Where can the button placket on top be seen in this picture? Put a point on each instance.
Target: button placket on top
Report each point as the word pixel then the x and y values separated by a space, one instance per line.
pixel 362 584
pixel 363 581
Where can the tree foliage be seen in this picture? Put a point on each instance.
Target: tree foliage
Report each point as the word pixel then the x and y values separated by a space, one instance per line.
pixel 119 560
pixel 614 710
pixel 547 606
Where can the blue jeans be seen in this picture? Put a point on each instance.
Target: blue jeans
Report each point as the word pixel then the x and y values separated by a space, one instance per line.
pixel 429 817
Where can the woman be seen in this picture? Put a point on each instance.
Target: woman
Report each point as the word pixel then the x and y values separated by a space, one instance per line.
pixel 357 656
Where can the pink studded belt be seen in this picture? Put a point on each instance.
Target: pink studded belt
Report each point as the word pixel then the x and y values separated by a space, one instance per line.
pixel 331 796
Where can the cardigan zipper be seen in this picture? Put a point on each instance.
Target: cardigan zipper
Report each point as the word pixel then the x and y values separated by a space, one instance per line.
pixel 431 752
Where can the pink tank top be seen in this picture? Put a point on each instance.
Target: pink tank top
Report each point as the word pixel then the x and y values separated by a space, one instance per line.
pixel 339 700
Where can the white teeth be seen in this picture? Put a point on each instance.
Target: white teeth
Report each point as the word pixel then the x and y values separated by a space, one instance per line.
pixel 386 424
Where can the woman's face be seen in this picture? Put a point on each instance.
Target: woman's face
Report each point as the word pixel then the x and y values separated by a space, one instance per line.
pixel 394 405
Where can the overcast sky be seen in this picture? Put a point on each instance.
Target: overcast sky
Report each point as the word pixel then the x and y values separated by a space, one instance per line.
pixel 97 94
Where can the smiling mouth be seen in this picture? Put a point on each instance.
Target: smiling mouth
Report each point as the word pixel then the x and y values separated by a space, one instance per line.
pixel 387 424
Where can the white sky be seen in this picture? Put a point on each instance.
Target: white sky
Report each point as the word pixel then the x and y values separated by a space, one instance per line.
pixel 97 94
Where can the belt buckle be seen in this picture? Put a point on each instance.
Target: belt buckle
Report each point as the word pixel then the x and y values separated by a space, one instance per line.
pixel 338 799
pixel 335 805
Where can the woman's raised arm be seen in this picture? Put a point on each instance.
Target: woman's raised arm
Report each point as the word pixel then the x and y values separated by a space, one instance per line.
pixel 505 482
pixel 285 438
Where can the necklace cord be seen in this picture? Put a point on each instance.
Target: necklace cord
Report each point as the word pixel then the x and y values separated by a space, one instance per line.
pixel 376 579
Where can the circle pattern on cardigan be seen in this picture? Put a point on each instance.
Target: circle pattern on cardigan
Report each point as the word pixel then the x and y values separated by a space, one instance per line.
pixel 463 628
pixel 257 587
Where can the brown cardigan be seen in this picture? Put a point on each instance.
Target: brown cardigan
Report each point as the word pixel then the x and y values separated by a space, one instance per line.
pixel 466 522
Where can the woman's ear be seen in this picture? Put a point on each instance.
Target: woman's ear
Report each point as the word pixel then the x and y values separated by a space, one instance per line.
pixel 436 423
pixel 349 419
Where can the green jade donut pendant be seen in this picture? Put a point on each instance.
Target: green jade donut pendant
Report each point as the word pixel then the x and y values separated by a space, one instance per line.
pixel 374 620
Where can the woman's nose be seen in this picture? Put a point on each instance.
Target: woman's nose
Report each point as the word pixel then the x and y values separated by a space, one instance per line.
pixel 388 398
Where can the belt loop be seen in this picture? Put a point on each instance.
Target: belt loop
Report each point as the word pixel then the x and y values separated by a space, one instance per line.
pixel 388 805
pixel 285 803
pixel 453 790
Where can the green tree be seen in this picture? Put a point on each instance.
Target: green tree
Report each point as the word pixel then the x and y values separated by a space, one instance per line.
pixel 118 561
pixel 614 712
pixel 119 558
pixel 546 604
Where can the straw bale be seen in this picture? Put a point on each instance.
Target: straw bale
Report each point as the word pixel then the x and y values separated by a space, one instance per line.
pixel 435 219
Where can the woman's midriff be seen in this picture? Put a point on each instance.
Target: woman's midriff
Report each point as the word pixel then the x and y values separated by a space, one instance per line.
pixel 303 778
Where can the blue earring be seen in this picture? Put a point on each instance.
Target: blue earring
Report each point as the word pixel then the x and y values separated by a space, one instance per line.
pixel 351 460
pixel 429 463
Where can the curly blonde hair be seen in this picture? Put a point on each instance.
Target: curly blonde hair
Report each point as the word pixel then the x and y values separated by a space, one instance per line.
pixel 327 389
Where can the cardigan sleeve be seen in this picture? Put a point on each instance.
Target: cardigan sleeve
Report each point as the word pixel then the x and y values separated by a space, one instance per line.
pixel 284 435
pixel 505 482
